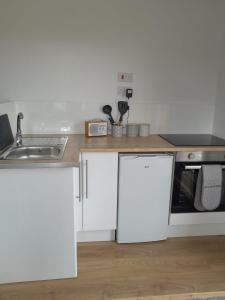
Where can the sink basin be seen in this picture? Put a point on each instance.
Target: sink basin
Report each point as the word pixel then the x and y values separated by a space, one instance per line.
pixel 51 152
pixel 37 148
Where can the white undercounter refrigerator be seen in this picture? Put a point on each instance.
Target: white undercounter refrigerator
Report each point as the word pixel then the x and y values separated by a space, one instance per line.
pixel 145 181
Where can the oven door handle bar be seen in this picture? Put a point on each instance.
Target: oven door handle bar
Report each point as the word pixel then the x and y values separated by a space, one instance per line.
pixel 196 167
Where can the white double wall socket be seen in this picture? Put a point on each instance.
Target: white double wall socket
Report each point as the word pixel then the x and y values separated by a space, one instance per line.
pixel 121 91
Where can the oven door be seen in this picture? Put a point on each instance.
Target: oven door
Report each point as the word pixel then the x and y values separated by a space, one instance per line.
pixel 184 187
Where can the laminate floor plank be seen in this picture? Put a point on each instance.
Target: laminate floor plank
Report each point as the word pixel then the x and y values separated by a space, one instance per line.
pixel 172 269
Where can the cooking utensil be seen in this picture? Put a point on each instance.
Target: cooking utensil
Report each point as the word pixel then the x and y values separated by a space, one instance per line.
pixel 107 109
pixel 123 108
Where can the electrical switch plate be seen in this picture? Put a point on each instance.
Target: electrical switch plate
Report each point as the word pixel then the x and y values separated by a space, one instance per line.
pixel 125 77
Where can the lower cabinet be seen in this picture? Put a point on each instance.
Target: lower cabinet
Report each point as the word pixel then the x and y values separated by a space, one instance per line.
pixel 98 190
pixel 37 224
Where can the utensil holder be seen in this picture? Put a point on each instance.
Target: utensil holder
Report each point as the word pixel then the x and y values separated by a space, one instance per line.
pixel 117 130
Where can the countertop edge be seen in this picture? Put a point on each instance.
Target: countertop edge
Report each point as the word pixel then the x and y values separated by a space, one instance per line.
pixel 152 149
pixel 128 150
pixel 34 165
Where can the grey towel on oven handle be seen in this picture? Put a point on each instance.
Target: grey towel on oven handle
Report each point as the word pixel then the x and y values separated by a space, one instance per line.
pixel 198 193
pixel 208 188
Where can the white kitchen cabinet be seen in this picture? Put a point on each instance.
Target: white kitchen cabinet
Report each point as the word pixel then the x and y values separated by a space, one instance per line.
pixel 99 190
pixel 37 236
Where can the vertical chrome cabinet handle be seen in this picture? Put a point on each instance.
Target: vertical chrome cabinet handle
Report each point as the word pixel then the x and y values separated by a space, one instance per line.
pixel 82 180
pixel 80 184
pixel 86 164
pixel 78 196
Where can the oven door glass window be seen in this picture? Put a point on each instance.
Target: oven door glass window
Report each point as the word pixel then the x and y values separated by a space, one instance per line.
pixel 184 188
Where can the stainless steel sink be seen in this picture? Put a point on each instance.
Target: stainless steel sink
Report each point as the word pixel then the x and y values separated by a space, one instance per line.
pixel 37 148
pixel 32 152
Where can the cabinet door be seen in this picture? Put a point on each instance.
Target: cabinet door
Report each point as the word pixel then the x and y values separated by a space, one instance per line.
pixel 37 235
pixel 99 190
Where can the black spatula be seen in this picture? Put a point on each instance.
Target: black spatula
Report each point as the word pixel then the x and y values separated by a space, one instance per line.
pixel 107 109
pixel 123 108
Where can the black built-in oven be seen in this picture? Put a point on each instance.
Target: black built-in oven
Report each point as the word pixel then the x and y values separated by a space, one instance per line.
pixel 187 166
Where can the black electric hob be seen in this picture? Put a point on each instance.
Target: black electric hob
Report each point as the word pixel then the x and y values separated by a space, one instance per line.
pixel 193 139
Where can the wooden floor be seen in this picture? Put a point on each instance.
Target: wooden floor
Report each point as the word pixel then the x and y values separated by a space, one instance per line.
pixel 178 267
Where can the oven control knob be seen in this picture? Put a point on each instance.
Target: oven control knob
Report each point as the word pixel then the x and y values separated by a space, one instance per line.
pixel 191 156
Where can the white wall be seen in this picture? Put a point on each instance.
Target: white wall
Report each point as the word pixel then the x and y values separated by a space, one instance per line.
pixel 219 117
pixel 59 60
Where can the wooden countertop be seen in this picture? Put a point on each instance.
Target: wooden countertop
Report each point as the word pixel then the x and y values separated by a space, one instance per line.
pixel 79 143
pixel 152 143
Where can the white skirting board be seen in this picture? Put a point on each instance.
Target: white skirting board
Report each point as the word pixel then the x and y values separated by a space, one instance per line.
pixel 96 236
pixel 196 230
pixel 173 231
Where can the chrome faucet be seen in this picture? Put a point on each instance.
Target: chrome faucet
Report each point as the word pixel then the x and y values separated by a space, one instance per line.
pixel 19 138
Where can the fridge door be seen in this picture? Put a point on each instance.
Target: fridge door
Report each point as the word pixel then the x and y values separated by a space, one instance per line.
pixel 144 197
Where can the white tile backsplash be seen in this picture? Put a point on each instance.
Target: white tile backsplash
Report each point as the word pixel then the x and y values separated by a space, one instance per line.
pixel 69 117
